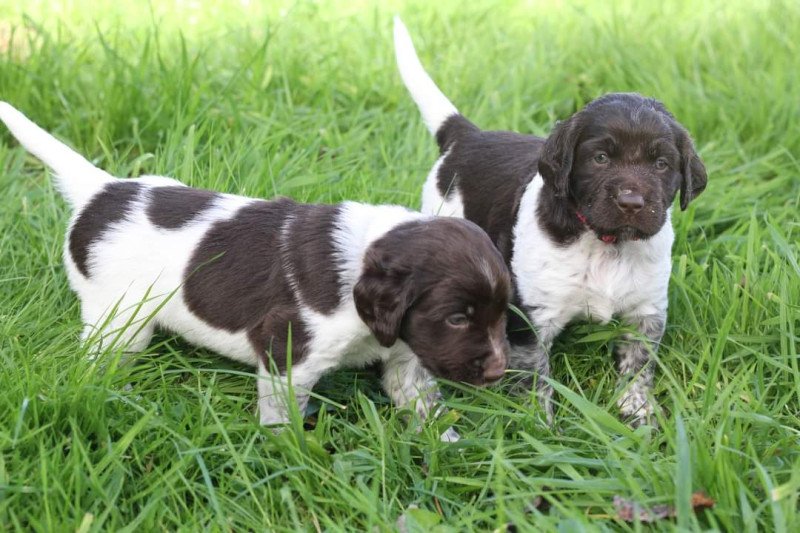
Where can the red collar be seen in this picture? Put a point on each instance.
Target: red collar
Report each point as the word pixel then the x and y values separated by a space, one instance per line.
pixel 608 239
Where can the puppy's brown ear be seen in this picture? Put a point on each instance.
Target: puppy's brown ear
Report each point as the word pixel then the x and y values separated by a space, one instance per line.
pixel 382 295
pixel 558 152
pixel 694 178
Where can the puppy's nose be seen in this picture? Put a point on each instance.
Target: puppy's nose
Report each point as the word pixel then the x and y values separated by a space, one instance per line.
pixel 495 367
pixel 630 202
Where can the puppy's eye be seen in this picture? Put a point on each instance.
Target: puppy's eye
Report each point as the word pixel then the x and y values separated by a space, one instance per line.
pixel 601 158
pixel 661 164
pixel 458 320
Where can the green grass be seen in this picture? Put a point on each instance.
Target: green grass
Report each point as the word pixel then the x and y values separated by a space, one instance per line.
pixel 303 99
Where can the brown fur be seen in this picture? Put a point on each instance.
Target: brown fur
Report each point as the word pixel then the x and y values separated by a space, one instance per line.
pixel 411 296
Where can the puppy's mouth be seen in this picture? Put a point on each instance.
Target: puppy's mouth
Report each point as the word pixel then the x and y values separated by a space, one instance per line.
pixel 491 382
pixel 622 234
pixel 625 228
pixel 484 381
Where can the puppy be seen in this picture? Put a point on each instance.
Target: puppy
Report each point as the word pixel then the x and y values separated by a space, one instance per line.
pixel 582 217
pixel 265 281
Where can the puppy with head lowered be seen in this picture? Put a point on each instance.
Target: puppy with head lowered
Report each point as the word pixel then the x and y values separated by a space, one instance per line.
pixel 582 217
pixel 350 283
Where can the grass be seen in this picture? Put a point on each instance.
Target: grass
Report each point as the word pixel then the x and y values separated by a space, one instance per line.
pixel 303 99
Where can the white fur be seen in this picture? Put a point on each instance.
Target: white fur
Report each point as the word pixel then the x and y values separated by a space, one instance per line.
pixel 137 270
pixel 433 202
pixel 359 226
pixel 433 104
pixel 587 279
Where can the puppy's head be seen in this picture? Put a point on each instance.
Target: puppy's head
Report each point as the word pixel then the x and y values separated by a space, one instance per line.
pixel 440 286
pixel 619 162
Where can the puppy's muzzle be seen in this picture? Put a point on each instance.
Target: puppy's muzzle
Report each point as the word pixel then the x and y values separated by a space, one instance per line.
pixel 495 365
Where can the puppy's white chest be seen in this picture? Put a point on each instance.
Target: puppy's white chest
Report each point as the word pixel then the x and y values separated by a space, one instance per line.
pixel 593 282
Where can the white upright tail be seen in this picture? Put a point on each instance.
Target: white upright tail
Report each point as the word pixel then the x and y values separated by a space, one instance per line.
pixel 433 104
pixel 76 178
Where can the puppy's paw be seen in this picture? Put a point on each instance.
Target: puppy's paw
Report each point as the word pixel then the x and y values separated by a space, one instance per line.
pixel 450 435
pixel 544 396
pixel 637 408
pixel 271 416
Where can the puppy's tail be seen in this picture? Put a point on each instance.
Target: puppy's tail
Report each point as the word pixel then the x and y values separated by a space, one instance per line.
pixel 433 104
pixel 76 178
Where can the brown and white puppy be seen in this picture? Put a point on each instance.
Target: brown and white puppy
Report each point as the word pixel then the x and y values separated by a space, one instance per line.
pixel 351 284
pixel 582 217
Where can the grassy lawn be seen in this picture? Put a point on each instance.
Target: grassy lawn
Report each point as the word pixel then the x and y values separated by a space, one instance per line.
pixel 303 99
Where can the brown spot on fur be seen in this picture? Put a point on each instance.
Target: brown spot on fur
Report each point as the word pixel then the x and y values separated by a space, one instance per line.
pixel 236 276
pixel 309 248
pixel 107 207
pixel 173 207
pixel 243 274
pixel 490 170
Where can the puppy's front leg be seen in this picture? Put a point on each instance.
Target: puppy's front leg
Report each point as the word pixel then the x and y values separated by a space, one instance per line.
pixel 408 384
pixel 535 358
pixel 635 361
pixel 273 393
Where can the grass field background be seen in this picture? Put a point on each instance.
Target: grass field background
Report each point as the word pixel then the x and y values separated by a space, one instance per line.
pixel 303 99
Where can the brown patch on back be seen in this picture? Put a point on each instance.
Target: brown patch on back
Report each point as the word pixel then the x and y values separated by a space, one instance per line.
pixel 490 170
pixel 239 278
pixel 235 276
pixel 173 207
pixel 107 207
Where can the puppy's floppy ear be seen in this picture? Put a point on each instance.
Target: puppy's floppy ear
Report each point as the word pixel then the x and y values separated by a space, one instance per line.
pixel 694 178
pixel 383 294
pixel 555 163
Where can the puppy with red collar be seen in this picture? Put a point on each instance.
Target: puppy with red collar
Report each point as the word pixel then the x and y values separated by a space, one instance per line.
pixel 582 217
pixel 350 284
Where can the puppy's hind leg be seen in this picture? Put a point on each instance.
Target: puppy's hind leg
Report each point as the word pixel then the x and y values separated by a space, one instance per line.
pixel 127 323
pixel 128 326
pixel 408 384
pixel 535 358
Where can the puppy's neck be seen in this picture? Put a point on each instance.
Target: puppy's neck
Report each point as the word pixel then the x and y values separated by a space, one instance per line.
pixel 360 225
